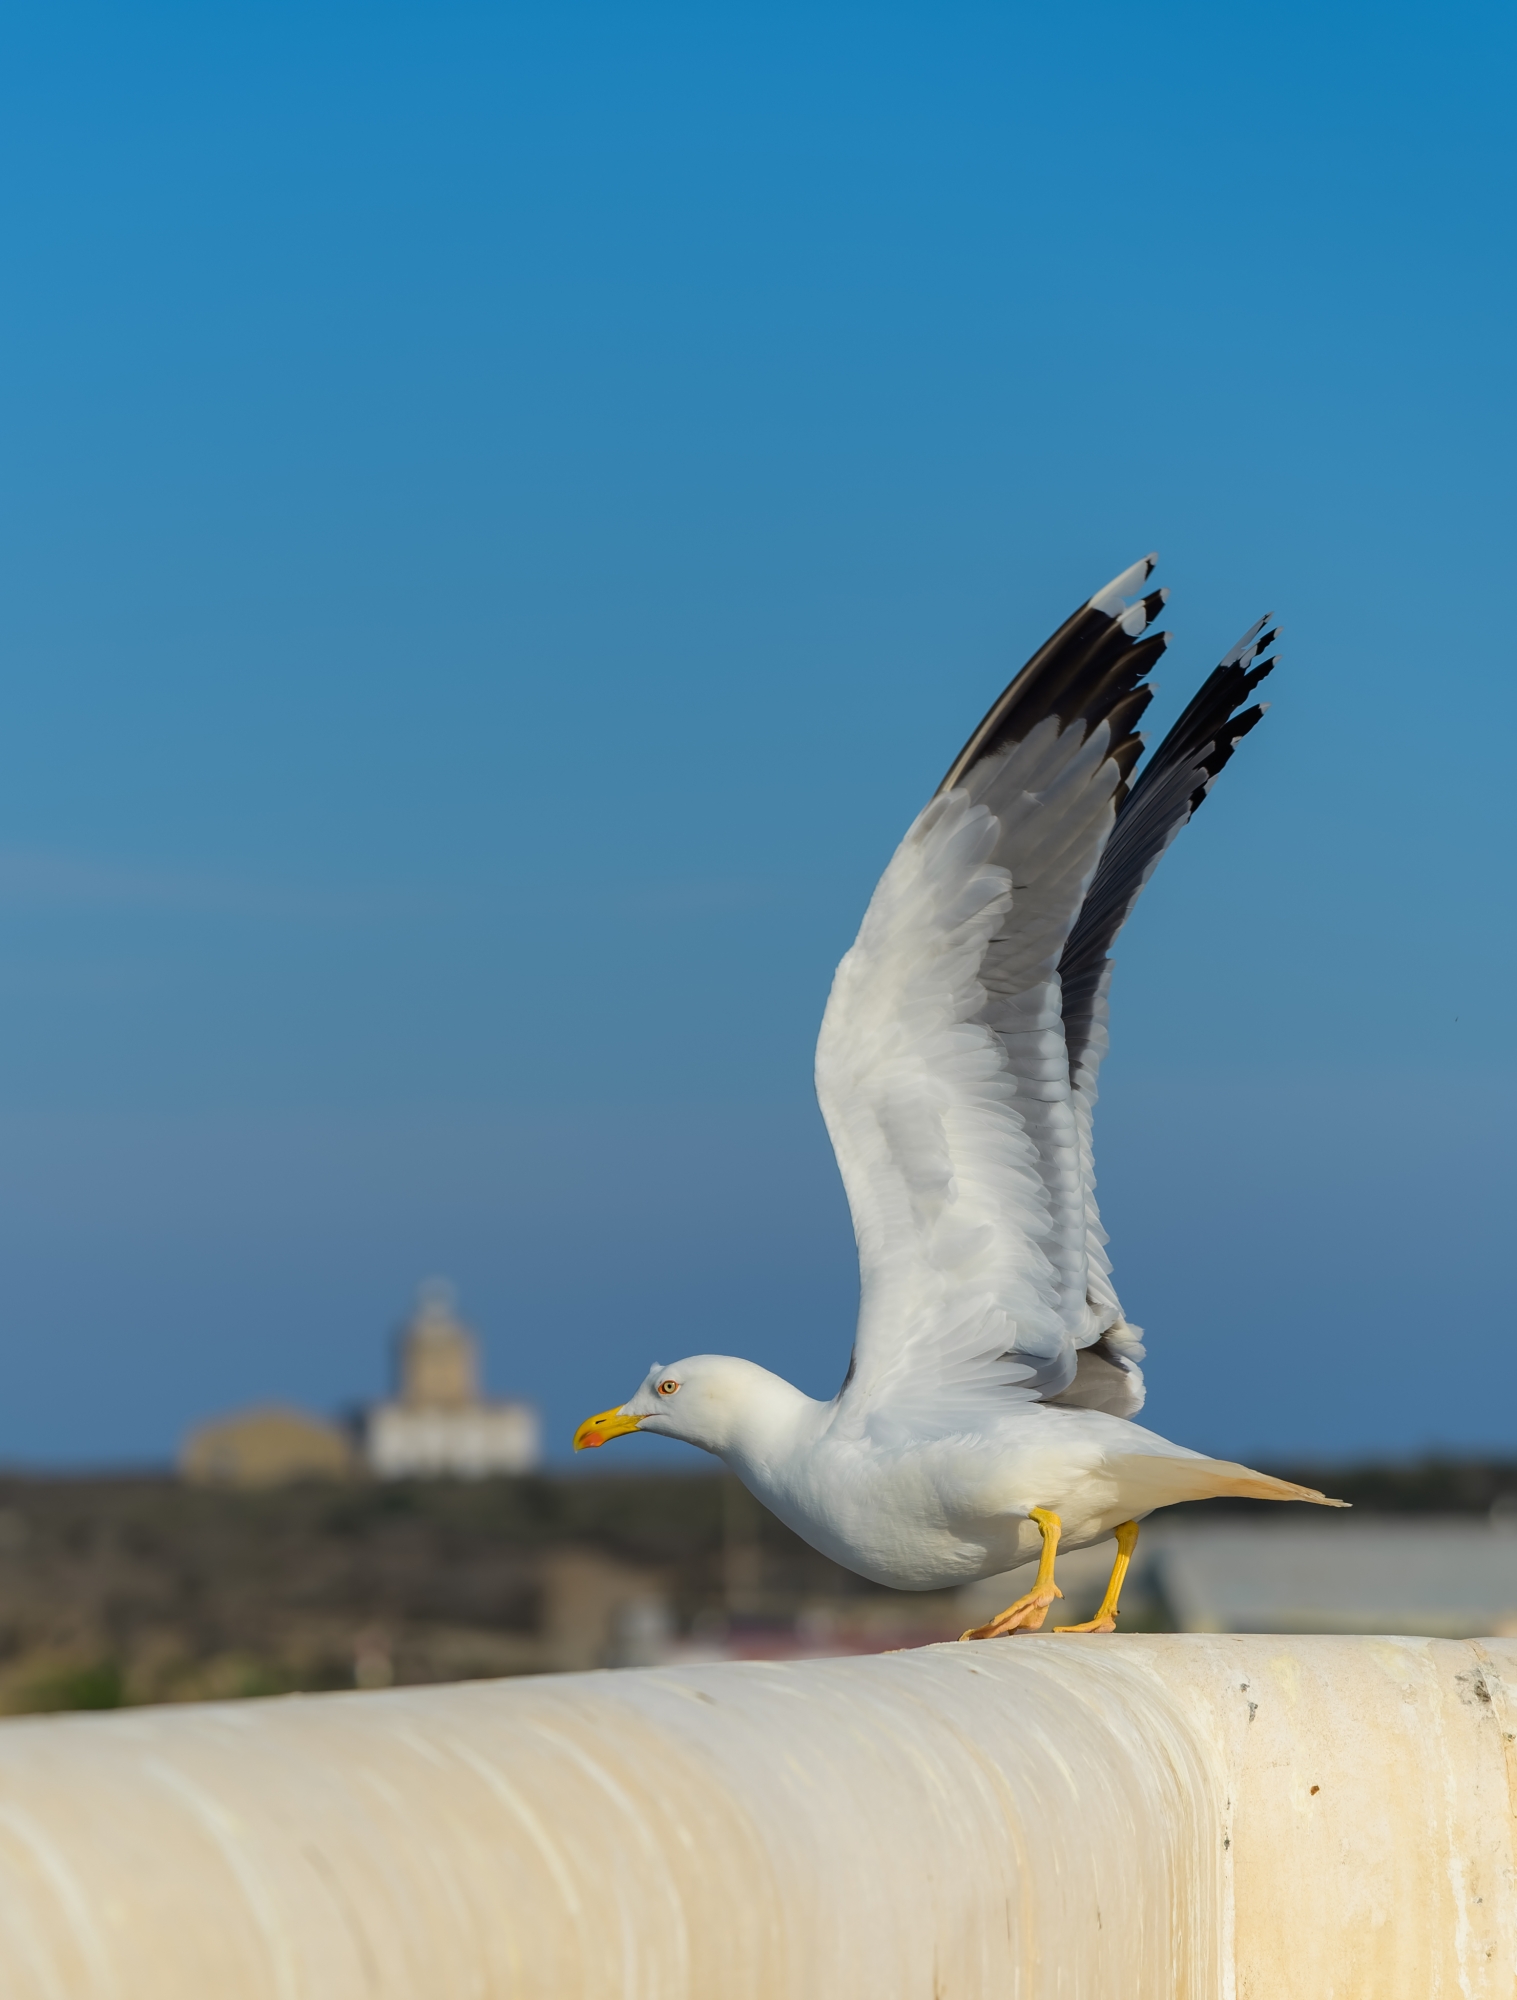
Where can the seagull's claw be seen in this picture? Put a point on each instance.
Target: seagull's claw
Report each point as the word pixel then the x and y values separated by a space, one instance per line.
pixel 1106 1624
pixel 1026 1615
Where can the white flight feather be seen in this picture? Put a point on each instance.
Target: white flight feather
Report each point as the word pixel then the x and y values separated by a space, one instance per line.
pixel 943 1075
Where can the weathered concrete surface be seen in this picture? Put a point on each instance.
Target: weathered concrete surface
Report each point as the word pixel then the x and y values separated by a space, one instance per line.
pixel 1370 1822
pixel 1174 1817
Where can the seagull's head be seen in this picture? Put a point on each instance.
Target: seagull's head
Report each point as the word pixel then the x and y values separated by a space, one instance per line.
pixel 710 1400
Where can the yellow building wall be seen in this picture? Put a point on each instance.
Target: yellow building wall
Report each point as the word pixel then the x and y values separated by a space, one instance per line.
pixel 265 1447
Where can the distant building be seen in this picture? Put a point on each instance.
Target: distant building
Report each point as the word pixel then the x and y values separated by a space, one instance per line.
pixel 439 1424
pixel 1444 1578
pixel 270 1446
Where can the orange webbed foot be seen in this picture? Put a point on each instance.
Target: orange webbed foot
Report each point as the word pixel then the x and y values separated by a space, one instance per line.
pixel 1026 1615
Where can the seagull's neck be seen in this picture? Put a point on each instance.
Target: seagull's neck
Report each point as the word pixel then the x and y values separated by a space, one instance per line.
pixel 765 1425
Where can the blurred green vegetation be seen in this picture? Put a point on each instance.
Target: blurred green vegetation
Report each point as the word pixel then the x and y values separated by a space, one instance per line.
pixel 94 1684
pixel 131 1589
pixel 120 1590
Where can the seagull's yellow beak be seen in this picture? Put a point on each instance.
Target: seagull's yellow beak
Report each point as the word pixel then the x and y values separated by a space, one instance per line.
pixel 609 1424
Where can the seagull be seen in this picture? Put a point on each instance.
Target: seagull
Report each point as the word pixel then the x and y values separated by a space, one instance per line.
pixel 987 1412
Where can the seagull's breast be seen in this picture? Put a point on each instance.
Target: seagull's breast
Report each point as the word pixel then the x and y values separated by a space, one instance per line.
pixel 926 1517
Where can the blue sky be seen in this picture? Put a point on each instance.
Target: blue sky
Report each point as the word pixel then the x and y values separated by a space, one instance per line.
pixel 505 515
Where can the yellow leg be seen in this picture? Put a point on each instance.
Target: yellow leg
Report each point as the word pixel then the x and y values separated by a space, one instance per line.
pixel 1105 1619
pixel 1028 1613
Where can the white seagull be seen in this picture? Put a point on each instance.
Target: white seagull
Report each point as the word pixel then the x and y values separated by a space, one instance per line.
pixel 987 1409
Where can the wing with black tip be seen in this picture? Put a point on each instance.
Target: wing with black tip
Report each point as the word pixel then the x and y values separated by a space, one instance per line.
pixel 956 1063
pixel 1169 788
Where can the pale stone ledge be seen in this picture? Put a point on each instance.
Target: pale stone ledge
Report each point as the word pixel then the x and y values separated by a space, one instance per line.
pixel 1149 1818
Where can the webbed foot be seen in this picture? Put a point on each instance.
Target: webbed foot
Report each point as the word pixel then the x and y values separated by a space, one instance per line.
pixel 1026 1615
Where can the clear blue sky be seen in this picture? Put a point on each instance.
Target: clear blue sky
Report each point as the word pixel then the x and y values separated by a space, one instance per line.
pixel 508 512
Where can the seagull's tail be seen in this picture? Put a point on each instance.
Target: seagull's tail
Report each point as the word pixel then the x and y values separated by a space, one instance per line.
pixel 1179 1479
pixel 1246 1484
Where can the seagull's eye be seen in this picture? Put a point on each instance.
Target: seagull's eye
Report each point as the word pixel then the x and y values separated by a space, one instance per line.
pixel 668 1388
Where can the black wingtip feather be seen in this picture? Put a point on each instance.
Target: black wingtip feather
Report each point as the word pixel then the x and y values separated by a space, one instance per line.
pixel 1229 736
pixel 1167 791
pixel 1093 671
pixel 1090 666
pixel 1124 757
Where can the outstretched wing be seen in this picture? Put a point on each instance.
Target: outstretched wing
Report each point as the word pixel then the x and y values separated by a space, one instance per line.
pixel 1168 790
pixel 943 1069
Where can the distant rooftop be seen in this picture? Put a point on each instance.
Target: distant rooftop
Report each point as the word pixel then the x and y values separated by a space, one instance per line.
pixel 1450 1578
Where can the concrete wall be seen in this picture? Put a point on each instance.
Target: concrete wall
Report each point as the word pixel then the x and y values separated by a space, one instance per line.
pixel 1171 1817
